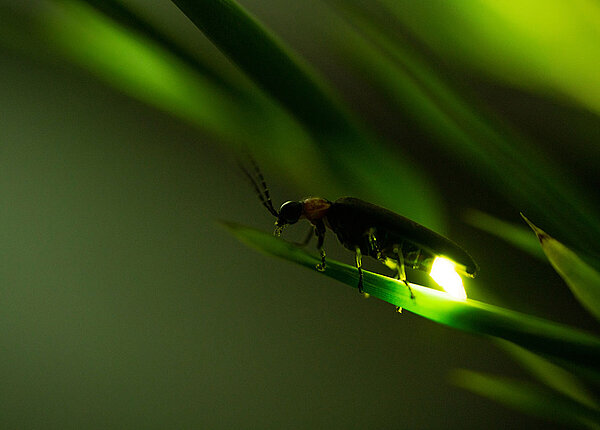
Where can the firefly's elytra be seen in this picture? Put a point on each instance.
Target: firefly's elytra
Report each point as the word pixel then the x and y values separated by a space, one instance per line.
pixel 368 229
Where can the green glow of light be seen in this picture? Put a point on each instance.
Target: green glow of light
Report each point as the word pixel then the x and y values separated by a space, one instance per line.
pixel 443 272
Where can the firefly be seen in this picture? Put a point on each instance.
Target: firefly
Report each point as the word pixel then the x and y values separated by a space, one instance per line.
pixel 370 230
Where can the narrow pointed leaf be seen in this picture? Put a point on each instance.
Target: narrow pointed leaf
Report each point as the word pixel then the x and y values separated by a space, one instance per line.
pixel 582 279
pixel 516 235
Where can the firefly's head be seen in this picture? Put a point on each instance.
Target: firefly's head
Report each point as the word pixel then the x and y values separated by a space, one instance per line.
pixel 289 213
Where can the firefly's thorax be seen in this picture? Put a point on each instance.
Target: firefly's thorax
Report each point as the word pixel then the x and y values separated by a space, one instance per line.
pixel 315 208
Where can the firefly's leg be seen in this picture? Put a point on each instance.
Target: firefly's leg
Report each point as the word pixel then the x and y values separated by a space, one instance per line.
pixel 373 243
pixel 359 267
pixel 320 232
pixel 374 249
pixel 400 268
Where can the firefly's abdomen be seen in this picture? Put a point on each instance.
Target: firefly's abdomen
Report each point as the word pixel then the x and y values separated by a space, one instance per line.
pixel 351 219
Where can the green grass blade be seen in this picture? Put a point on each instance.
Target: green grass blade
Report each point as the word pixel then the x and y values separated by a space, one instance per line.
pixel 536 334
pixel 516 235
pixel 582 279
pixel 528 398
pixel 353 153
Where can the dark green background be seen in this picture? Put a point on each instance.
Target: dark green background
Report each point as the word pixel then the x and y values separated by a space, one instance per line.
pixel 123 304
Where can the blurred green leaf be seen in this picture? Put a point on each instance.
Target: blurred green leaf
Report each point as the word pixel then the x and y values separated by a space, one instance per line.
pixel 545 337
pixel 123 14
pixel 581 278
pixel 142 69
pixel 259 119
pixel 551 47
pixel 352 153
pixel 528 398
pixel 518 236
pixel 457 122
pixel 552 375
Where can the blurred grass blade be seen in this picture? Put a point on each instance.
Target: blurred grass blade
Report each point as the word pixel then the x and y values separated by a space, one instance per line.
pixel 458 123
pixel 271 65
pixel 132 63
pixel 550 374
pixel 516 235
pixel 581 278
pixel 232 85
pixel 550 47
pixel 125 16
pixel 536 334
pixel 349 149
pixel 528 398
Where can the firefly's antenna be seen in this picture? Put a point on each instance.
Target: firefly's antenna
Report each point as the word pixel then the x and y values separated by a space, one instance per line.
pixel 260 185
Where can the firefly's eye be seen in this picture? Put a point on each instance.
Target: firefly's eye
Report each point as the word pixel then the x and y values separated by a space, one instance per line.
pixel 290 212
